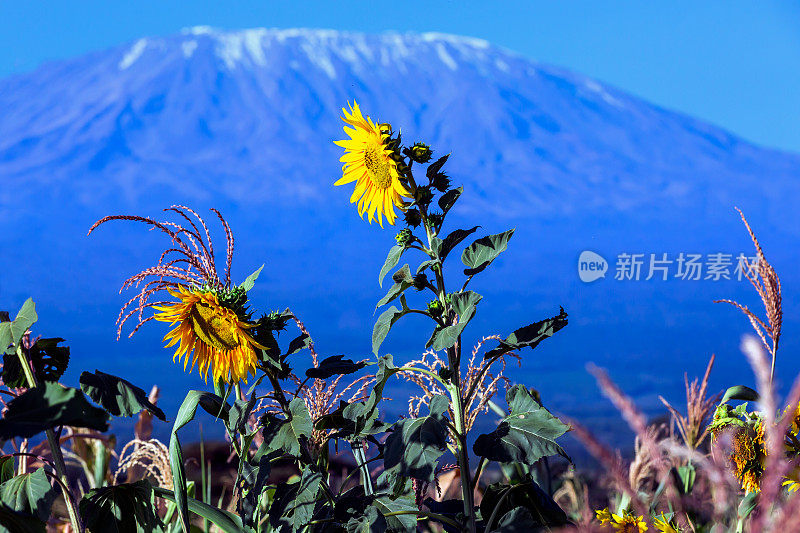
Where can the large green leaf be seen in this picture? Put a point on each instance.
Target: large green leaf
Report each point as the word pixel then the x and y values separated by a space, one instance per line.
pixel 741 393
pixel 227 522
pixel 523 503
pixel 449 199
pixel 293 505
pixel 335 365
pixel 402 281
pixel 29 494
pixel 454 239
pixel 49 405
pixel 12 521
pixel 12 332
pixel 116 395
pixel 215 406
pixel 391 261
pixel 415 444
pixel 285 434
pixel 529 336
pixel 49 361
pixel 526 435
pixel 480 254
pixel 384 323
pixel 123 508
pixel 464 303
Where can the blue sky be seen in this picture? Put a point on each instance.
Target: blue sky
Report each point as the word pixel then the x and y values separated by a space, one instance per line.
pixel 733 63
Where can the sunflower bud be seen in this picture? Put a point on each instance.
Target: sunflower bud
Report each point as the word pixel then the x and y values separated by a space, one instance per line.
pixel 420 281
pixel 423 195
pixel 420 153
pixel 441 182
pixel 404 237
pixel 435 308
pixel 435 219
pixel 413 218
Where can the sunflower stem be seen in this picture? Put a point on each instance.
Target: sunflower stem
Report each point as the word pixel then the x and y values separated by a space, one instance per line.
pixel 55 450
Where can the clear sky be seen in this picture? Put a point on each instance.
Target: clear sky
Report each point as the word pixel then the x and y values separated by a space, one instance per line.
pixel 734 63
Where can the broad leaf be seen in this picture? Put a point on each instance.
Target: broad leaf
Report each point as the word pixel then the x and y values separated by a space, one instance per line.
pixel 740 392
pixel 293 505
pixel 529 336
pixel 239 414
pixel 402 281
pixel 300 342
pixel 47 406
pixel 464 303
pixel 454 239
pixel 382 326
pixel 391 261
pixel 250 281
pixel 16 522
pixel 436 166
pixel 480 254
pixel 117 396
pixel 526 435
pixel 400 522
pixel 120 508
pixel 285 434
pixel 334 365
pixel 29 494
pixel 12 332
pixel 449 199
pixel 49 361
pixel 525 502
pixel 415 444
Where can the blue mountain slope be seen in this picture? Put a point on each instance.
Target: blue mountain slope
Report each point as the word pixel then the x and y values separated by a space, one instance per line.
pixel 243 121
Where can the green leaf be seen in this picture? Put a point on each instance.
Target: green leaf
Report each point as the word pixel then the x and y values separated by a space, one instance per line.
pixel 454 239
pixel 335 365
pixel 402 281
pixel 415 444
pixel 426 264
pixel 464 303
pixel 436 166
pixel 529 336
pixel 7 470
pixel 285 434
pixel 402 522
pixel 391 261
pixel 120 508
pixel 300 342
pixel 250 281
pixel 49 405
pixel 480 254
pixel 522 504
pixel 449 199
pixel 382 326
pixel 16 522
pixel 29 494
pixel 49 363
pixel 293 504
pixel 227 522
pixel 213 405
pixel 117 396
pixel 239 413
pixel 12 332
pixel 740 392
pixel 526 435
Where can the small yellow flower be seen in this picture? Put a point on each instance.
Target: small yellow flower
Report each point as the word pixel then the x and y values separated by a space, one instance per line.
pixel 368 162
pixel 625 523
pixel 212 334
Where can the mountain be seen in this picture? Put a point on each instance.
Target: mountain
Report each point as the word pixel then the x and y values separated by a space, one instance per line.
pixel 243 121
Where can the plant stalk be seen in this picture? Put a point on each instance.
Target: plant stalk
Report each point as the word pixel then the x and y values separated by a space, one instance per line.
pixel 55 450
pixel 361 460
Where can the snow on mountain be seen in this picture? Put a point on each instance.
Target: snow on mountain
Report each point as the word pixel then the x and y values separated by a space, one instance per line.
pixel 244 120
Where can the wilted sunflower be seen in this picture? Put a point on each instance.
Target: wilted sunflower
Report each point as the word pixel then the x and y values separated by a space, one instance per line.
pixel 210 318
pixel 747 455
pixel 367 161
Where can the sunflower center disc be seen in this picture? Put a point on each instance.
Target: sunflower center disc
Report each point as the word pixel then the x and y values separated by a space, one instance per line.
pixel 377 167
pixel 214 328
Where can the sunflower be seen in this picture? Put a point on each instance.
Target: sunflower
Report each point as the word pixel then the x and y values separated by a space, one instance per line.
pixel 665 525
pixel 367 161
pixel 627 522
pixel 748 456
pixel 214 336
